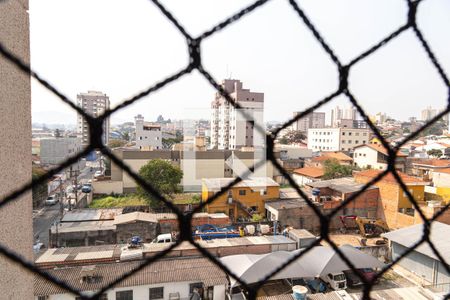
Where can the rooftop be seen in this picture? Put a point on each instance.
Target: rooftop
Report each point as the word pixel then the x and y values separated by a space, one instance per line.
pixel 329 155
pixel 343 185
pixel 135 216
pixel 310 172
pixel 408 180
pixel 215 184
pixel 380 148
pixel 83 215
pixel 286 204
pixel 439 236
pixel 161 271
pixel 440 163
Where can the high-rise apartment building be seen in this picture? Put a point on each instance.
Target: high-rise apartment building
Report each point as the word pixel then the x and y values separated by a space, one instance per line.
pixel 337 114
pixel 148 135
pixel 312 120
pixel 428 113
pixel 94 103
pixel 230 129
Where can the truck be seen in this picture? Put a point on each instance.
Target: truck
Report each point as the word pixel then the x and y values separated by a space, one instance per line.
pixel 335 281
pixel 209 232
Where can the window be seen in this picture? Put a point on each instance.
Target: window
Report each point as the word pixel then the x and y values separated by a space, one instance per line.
pixel 124 295
pixel 45 297
pixel 364 133
pixel 156 293
pixel 356 142
pixel 198 285
pixel 349 141
pixel 364 142
pixel 349 133
pixel 357 133
pixel 343 141
pixel 242 192
pixel 343 133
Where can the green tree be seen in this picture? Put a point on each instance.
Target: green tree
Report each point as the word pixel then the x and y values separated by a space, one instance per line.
pixel 163 177
pixel 434 152
pixel 39 192
pixel 333 169
pixel 125 135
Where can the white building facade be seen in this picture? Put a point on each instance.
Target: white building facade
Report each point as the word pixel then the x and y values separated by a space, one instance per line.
pixel 230 129
pixel 94 103
pixel 148 135
pixel 337 139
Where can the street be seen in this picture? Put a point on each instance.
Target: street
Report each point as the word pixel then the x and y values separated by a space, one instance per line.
pixel 47 215
pixel 43 221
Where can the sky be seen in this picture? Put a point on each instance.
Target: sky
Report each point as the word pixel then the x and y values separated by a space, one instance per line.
pixel 123 47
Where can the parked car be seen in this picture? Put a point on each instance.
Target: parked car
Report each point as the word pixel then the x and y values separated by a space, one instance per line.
pixel 352 279
pixel 86 188
pixel 335 281
pixel 368 273
pixel 51 200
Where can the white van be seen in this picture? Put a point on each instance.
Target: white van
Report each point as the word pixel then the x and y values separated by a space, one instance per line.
pixel 336 281
pixel 163 238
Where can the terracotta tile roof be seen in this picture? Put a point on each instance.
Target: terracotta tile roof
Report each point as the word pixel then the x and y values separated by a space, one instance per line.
pixel 310 172
pixel 433 162
pixel 379 148
pixel 337 155
pixel 447 171
pixel 161 271
pixel 389 177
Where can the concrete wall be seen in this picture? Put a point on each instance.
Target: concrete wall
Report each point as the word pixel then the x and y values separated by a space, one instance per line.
pixel 142 291
pixel 146 230
pixel 107 187
pixel 57 150
pixel 16 231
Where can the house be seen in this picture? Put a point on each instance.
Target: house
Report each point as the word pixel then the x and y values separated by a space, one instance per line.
pixel 337 139
pixel 318 161
pixel 305 175
pixel 241 200
pixel 425 168
pixel 162 279
pixel 373 156
pixel 395 208
pixel 422 262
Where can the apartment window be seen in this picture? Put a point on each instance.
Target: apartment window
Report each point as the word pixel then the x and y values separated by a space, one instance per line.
pixel 349 141
pixel 44 297
pixel 364 142
pixel 364 154
pixel 343 141
pixel 140 138
pixel 124 295
pixel 343 133
pixel 364 133
pixel 156 293
pixel 349 133
pixel 241 192
pixel 356 142
pixel 357 133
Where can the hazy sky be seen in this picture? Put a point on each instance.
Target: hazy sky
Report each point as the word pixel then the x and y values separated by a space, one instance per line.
pixel 122 47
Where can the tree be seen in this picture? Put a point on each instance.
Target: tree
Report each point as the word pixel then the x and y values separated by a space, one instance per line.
pixel 435 152
pixel 163 177
pixel 293 137
pixel 125 135
pixel 39 192
pixel 333 169
pixel 57 133
pixel 115 143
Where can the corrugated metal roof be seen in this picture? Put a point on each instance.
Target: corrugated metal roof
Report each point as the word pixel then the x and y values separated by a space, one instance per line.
pixel 135 216
pixel 161 271
pixel 215 184
pixel 440 237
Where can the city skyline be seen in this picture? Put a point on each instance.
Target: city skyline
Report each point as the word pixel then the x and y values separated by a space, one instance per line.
pixel 302 75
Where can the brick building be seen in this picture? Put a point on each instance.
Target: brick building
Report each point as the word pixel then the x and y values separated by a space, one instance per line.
pixel 395 208
pixel 292 210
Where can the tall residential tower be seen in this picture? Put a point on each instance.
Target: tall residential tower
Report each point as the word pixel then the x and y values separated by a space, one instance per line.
pixel 230 129
pixel 94 103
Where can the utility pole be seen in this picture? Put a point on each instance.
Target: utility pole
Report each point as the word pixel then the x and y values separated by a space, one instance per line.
pixel 74 173
pixel 61 197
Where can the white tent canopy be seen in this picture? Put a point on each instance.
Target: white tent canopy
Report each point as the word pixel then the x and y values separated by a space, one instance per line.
pixel 318 261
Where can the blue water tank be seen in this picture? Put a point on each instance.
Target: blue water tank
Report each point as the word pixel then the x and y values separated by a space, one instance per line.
pixel 316 192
